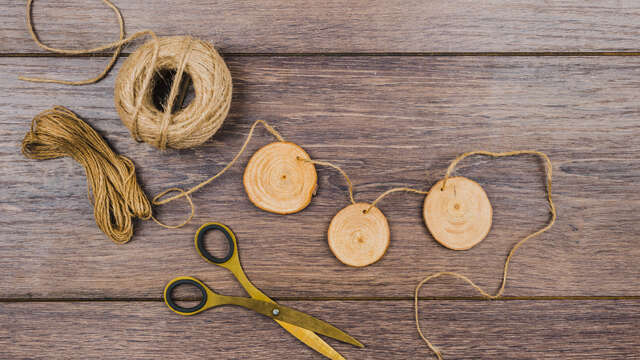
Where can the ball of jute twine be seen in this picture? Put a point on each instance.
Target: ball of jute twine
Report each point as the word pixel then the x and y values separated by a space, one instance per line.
pixel 190 126
pixel 161 128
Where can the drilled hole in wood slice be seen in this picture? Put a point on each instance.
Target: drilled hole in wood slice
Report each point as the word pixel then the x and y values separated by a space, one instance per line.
pixel 358 238
pixel 277 181
pixel 458 216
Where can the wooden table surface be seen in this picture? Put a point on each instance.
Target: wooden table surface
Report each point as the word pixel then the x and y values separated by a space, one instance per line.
pixel 389 90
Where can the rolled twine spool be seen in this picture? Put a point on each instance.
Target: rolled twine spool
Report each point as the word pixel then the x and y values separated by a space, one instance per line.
pixel 199 120
pixel 112 185
pixel 161 128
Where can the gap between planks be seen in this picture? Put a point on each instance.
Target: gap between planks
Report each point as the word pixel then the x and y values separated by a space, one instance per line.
pixel 372 54
pixel 399 298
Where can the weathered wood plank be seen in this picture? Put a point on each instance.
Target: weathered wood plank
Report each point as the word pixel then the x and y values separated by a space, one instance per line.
pixel 462 329
pixel 339 26
pixel 388 122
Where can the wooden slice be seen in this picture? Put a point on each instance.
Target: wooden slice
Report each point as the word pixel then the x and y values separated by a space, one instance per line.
pixel 359 239
pixel 276 181
pixel 459 216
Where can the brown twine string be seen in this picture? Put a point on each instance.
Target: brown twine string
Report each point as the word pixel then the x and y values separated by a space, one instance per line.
pixel 173 93
pixel 390 191
pixel 112 185
pixel 350 184
pixel 189 127
pixel 117 45
pixel 336 167
pixel 156 199
pixel 552 209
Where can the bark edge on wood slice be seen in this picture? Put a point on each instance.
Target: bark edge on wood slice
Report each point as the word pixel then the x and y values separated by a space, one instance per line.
pixel 459 216
pixel 275 180
pixel 357 238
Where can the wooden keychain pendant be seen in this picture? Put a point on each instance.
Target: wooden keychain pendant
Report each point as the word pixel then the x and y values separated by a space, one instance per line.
pixel 359 236
pixel 276 180
pixel 459 215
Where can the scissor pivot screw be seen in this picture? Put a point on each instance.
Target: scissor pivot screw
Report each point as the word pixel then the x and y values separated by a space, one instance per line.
pixel 275 312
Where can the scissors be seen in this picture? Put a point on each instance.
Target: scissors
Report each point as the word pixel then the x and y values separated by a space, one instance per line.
pixel 302 326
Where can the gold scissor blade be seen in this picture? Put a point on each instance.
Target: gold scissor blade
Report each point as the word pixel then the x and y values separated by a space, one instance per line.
pixel 300 319
pixel 291 316
pixel 312 340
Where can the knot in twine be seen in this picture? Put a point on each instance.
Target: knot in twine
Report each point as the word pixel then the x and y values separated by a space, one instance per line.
pixel 134 86
pixel 112 185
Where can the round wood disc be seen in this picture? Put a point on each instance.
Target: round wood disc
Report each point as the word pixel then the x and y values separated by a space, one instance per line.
pixel 276 181
pixel 458 216
pixel 357 238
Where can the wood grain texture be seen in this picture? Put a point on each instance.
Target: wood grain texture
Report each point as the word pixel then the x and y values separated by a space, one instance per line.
pixel 338 26
pixel 462 329
pixel 388 122
pixel 359 236
pixel 459 215
pixel 277 180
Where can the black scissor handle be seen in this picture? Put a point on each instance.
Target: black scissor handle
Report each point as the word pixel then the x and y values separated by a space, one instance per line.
pixel 170 288
pixel 231 238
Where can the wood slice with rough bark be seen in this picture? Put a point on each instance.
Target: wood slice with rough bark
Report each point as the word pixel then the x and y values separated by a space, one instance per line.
pixel 458 216
pixel 357 238
pixel 277 181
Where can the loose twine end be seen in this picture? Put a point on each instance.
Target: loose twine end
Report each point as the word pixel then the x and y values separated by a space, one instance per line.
pixel 116 45
pixel 552 209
